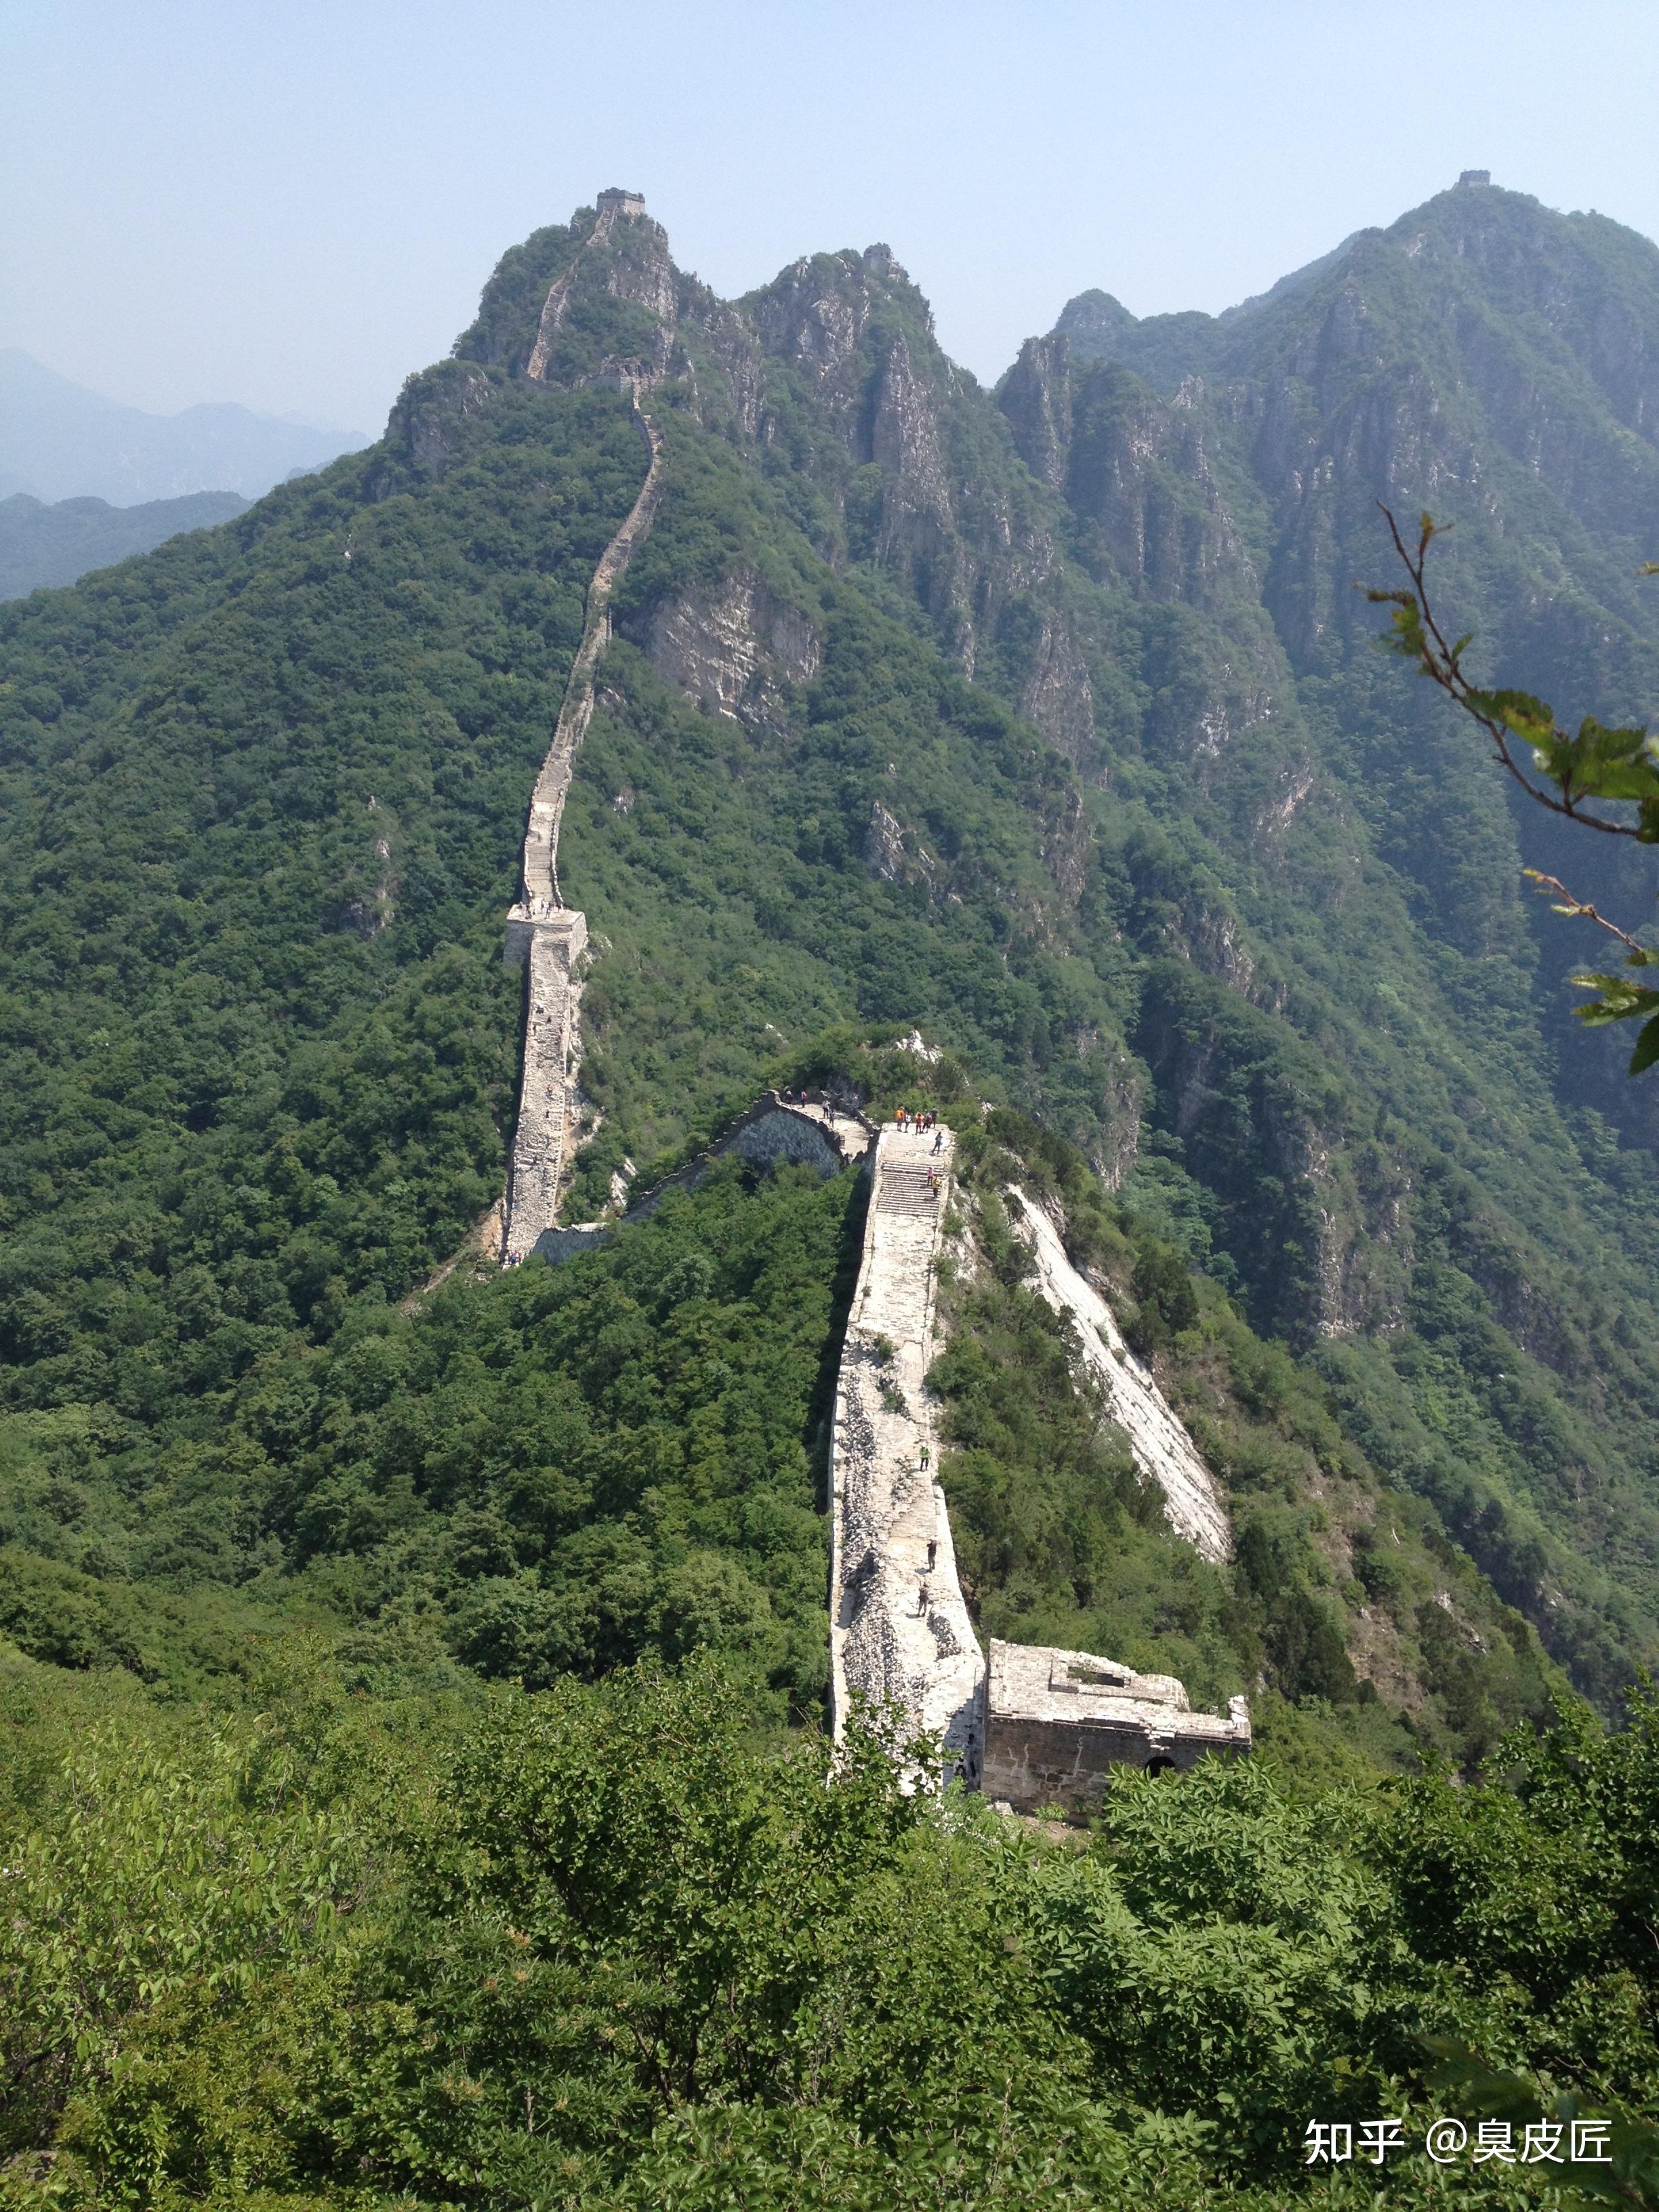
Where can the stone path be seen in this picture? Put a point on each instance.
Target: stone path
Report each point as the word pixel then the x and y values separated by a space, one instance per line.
pixel 899 1628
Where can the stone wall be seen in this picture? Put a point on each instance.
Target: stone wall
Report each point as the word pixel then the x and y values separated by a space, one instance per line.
pixel 1057 1722
pixel 548 1123
pixel 1163 1452
pixel 771 1131
pixel 543 933
pixel 899 1630
pixel 1040 1727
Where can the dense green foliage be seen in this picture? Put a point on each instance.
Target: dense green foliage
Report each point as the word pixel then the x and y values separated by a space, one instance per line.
pixel 594 1948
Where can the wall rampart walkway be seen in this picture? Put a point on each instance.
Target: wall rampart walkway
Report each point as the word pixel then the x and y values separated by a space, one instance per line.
pixel 899 1629
pixel 542 932
pixel 1045 1727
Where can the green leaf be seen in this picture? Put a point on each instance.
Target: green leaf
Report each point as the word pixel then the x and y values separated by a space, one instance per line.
pixel 1598 763
pixel 1621 1000
pixel 1531 719
pixel 1647 1047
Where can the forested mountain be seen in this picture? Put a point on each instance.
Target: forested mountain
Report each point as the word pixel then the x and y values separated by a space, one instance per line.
pixel 1044 721
pixel 42 545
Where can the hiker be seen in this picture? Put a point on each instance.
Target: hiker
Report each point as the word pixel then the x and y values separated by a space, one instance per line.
pixel 925 1453
pixel 938 1142
pixel 933 1548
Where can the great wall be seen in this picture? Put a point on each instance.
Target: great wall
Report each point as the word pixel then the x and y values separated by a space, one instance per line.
pixel 542 932
pixel 1039 1726
pixel 899 1630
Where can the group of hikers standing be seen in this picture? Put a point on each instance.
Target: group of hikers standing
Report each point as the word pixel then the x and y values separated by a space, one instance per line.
pixel 916 1122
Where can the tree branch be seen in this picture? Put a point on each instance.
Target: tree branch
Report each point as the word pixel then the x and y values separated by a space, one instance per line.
pixel 1422 639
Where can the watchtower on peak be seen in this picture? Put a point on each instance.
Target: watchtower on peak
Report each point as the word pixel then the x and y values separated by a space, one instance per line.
pixel 615 200
pixel 1475 177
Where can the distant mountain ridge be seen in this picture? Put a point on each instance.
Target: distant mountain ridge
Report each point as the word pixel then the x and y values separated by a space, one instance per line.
pixel 59 440
pixel 41 545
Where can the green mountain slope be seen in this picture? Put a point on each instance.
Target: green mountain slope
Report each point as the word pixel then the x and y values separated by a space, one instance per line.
pixel 410 1782
pixel 41 545
pixel 911 717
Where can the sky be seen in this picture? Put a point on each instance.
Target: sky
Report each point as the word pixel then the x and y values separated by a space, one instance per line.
pixel 295 204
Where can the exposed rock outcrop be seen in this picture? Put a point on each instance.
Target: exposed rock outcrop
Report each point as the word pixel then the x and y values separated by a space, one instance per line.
pixel 1035 398
pixel 731 646
pixel 1058 696
pixel 1163 1452
pixel 435 422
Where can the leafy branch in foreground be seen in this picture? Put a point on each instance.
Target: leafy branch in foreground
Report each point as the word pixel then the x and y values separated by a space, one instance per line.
pixel 1568 773
pixel 1621 999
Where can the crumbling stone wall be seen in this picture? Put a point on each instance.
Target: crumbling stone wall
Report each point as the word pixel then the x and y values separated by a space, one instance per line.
pixel 1163 1452
pixel 772 1131
pixel 899 1629
pixel 1057 1722
pixel 1040 1727
pixel 542 932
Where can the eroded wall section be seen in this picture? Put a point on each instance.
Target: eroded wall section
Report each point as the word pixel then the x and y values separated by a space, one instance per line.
pixel 899 1629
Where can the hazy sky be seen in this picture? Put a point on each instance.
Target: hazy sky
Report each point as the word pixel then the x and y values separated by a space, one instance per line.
pixel 293 204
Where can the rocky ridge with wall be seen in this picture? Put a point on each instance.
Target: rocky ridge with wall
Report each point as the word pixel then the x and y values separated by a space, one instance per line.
pixel 1041 1727
pixel 542 932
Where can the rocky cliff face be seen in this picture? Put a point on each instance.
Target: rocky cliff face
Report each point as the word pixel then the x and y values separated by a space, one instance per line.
pixel 733 646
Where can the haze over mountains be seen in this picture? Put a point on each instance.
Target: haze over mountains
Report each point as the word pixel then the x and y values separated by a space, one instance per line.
pixel 59 440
